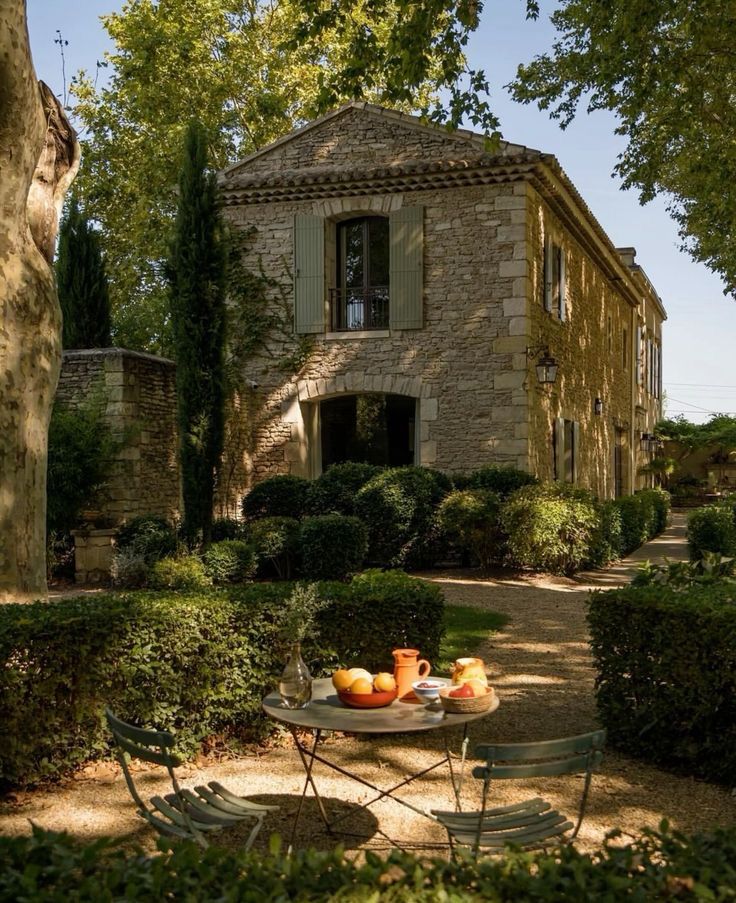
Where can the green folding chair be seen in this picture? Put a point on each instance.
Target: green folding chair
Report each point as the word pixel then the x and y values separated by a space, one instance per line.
pixel 185 814
pixel 533 823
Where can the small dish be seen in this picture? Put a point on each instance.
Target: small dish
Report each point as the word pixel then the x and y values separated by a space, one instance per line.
pixel 428 688
pixel 375 700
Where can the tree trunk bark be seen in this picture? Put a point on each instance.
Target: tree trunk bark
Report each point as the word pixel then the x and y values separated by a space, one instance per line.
pixel 39 157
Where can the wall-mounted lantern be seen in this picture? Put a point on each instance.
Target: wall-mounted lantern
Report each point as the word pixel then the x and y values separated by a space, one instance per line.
pixel 546 366
pixel 598 407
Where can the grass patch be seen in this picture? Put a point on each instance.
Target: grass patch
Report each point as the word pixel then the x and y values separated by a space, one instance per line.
pixel 466 629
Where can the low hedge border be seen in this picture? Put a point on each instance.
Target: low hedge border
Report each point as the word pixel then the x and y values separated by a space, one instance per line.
pixel 657 866
pixel 666 681
pixel 196 663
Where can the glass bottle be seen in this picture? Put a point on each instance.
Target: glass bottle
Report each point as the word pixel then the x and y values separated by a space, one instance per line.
pixel 295 685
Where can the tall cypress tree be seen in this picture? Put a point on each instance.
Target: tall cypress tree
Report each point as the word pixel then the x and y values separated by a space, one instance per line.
pixel 196 274
pixel 82 283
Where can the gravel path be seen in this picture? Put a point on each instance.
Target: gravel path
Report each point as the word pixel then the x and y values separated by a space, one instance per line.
pixel 541 667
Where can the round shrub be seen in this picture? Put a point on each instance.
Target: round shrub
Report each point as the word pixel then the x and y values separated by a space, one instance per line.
pixel 471 518
pixel 335 490
pixel 229 561
pixel 148 535
pixel 398 506
pixel 550 527
pixel 276 544
pixel 332 546
pixel 500 479
pixel 183 573
pixel 226 528
pixel 711 529
pixel 280 496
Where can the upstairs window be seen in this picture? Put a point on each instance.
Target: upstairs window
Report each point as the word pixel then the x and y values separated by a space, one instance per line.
pixel 554 279
pixel 361 298
pixel 343 270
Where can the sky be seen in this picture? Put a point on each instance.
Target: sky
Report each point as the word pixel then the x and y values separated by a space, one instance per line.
pixel 701 325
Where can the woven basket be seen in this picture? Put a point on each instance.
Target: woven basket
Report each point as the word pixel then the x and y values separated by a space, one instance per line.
pixel 468 706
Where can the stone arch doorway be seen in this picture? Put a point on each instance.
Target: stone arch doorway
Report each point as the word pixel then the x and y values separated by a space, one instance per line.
pixel 375 428
pixel 302 415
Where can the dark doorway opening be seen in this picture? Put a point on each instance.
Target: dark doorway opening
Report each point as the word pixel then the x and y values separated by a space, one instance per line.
pixel 371 428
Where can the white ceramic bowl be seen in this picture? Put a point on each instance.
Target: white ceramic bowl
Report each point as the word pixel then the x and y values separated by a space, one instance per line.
pixel 431 693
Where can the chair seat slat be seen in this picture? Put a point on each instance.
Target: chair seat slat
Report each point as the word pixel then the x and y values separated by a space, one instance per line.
pixel 242 808
pixel 202 810
pixel 538 804
pixel 520 836
pixel 496 822
pixel 238 800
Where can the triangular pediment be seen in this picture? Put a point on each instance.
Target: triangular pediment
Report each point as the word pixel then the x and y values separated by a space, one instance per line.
pixel 364 134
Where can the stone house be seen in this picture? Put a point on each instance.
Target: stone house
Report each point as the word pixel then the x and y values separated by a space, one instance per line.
pixel 416 283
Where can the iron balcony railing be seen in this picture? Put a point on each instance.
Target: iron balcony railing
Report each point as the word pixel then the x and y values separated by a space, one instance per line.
pixel 359 309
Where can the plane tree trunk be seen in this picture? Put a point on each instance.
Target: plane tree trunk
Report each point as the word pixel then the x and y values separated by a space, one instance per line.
pixel 39 157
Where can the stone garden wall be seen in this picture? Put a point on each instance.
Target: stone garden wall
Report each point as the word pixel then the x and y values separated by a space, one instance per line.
pixel 138 392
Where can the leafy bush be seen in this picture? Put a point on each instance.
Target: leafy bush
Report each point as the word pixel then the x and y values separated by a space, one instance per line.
pixel 471 518
pixel 80 454
pixel 185 572
pixel 606 543
pixel 60 556
pixel 148 535
pixel 332 546
pixel 128 569
pixel 500 479
pixel 658 866
pixel 666 684
pixel 335 490
pixel 229 561
pixel 379 611
pixel 227 528
pixel 398 506
pixel 681 575
pixel 550 527
pixel 711 529
pixel 197 663
pixel 276 544
pixel 643 515
pixel 280 496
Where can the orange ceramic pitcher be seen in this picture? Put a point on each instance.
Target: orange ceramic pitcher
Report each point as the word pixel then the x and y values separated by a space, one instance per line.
pixel 408 667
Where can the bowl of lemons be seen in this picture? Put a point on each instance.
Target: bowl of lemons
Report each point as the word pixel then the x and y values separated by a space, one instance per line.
pixel 359 689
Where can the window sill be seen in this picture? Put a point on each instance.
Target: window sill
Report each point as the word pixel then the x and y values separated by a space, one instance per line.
pixel 357 334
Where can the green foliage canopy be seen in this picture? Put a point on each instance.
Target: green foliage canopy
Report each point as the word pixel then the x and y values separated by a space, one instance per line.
pixel 666 70
pixel 250 71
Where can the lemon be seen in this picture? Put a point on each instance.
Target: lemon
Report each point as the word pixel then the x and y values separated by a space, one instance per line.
pixel 384 682
pixel 341 679
pixel 361 685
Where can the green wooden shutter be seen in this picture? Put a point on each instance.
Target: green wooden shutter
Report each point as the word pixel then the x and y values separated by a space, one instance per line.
pixel 548 250
pixel 563 286
pixel 575 451
pixel 407 268
pixel 559 449
pixel 309 273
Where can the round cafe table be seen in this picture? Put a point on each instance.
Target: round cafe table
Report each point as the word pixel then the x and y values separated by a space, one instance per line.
pixel 326 712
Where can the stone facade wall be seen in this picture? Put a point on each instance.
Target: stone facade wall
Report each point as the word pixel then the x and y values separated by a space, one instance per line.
pixel 589 349
pixel 459 365
pixel 138 392
pixel 354 138
pixel 478 400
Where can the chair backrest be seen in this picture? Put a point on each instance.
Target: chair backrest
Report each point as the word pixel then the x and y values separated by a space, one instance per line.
pixel 569 755
pixel 141 743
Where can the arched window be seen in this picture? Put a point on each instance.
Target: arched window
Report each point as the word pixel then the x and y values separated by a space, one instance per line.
pixel 361 299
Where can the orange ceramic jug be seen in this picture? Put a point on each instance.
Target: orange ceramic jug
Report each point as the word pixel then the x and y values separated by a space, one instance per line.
pixel 469 669
pixel 408 667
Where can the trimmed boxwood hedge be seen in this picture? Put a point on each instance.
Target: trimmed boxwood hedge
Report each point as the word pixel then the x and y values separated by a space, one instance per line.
pixel 711 529
pixel 666 683
pixel 657 866
pixel 333 546
pixel 196 663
